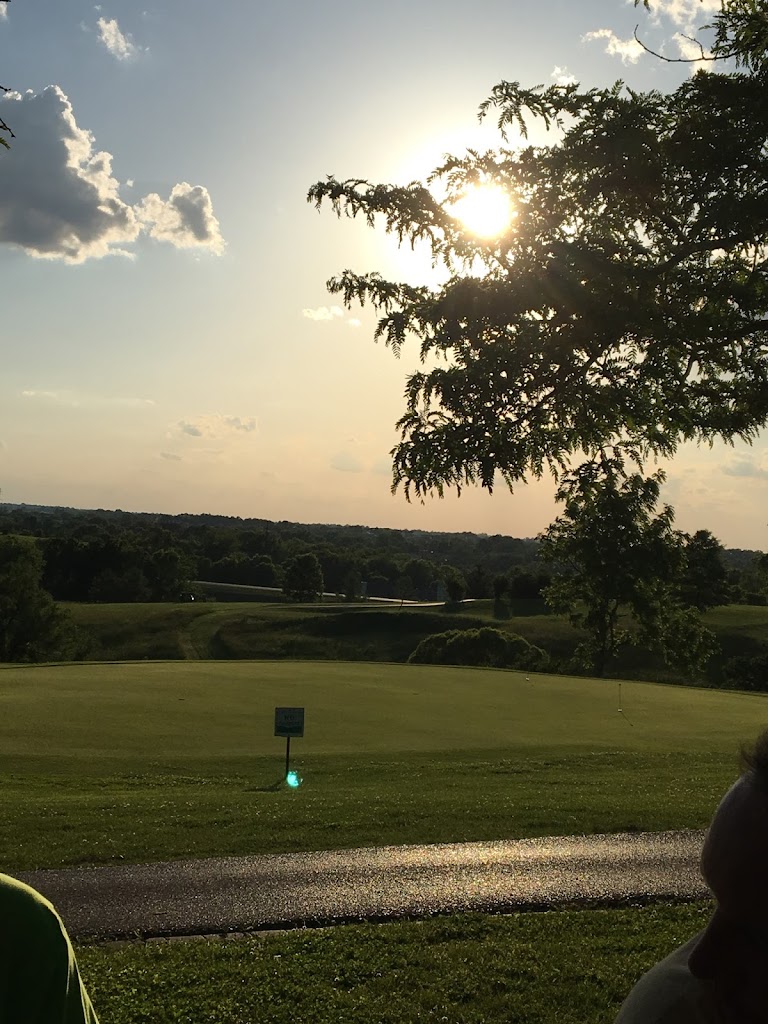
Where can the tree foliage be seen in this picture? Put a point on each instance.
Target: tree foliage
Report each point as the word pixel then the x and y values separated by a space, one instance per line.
pixel 627 303
pixel 705 578
pixel 303 578
pixel 32 626
pixel 614 558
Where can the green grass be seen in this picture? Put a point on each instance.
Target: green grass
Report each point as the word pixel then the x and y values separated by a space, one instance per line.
pixel 573 967
pixel 154 761
pixel 332 631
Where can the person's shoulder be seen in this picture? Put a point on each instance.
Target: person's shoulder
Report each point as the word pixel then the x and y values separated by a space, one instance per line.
pixel 667 994
pixel 28 913
pixel 14 892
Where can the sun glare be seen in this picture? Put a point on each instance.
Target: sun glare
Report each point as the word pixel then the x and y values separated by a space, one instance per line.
pixel 485 210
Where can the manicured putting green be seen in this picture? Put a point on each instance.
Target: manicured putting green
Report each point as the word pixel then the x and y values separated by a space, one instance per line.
pixel 215 709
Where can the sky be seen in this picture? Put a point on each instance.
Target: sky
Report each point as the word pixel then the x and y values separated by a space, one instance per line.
pixel 167 342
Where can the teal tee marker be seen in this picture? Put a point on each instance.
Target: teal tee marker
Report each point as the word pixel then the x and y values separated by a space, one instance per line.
pixel 293 780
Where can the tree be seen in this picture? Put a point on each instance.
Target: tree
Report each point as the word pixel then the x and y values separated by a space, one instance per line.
pixel 627 303
pixel 705 579
pixel 613 556
pixel 109 586
pixel 455 583
pixel 32 626
pixel 303 578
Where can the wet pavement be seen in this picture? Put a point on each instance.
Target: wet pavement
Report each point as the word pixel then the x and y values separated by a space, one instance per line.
pixel 236 894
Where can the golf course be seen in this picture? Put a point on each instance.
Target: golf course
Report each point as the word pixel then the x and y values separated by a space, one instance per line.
pixel 148 761
pixel 141 762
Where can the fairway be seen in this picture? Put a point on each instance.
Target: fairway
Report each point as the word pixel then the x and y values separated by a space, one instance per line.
pixel 150 711
pixel 154 761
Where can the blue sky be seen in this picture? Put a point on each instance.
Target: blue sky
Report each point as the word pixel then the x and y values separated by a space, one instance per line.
pixel 167 343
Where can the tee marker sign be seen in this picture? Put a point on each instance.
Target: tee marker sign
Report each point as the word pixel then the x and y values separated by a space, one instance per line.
pixel 289 722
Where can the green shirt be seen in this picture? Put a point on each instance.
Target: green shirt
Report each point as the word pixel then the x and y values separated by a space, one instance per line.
pixel 39 979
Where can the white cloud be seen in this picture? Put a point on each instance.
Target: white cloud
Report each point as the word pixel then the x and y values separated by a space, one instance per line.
pixel 60 200
pixel 563 77
pixel 328 314
pixel 217 425
pixel 687 15
pixel 185 219
pixel 3 11
pixel 628 49
pixel 118 44
pixel 323 313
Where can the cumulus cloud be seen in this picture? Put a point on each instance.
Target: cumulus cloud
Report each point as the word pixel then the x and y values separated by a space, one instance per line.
pixel 628 49
pixel 118 44
pixel 185 219
pixel 3 11
pixel 171 456
pixel 190 428
pixel 687 15
pixel 60 200
pixel 217 425
pixel 563 77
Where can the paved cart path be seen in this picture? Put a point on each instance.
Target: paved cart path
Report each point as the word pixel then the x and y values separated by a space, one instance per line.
pixel 246 893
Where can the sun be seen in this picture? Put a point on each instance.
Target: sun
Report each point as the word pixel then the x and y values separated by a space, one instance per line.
pixel 485 210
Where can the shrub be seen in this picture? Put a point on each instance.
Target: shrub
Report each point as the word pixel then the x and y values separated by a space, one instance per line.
pixel 486 647
pixel 747 673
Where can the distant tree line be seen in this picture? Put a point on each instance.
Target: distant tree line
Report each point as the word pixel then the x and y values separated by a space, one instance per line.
pixel 55 554
pixel 124 556
pixel 121 556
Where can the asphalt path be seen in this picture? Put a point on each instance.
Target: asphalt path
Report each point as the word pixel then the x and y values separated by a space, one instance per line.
pixel 242 894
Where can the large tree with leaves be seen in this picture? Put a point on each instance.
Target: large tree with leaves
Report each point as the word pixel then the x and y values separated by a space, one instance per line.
pixel 618 569
pixel 626 307
pixel 32 626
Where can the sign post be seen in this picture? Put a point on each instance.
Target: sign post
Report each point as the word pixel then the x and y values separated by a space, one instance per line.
pixel 289 722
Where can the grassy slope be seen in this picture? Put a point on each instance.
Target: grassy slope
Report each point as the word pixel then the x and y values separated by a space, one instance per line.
pixel 573 967
pixel 159 760
pixel 367 633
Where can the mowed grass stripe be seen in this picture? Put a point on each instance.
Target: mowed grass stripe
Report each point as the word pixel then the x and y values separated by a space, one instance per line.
pixel 145 762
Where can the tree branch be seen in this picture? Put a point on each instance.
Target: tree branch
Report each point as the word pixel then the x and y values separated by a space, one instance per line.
pixel 682 60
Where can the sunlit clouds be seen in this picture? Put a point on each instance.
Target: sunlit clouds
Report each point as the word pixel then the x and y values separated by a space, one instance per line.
pixel 119 45
pixel 59 198
pixel 686 18
pixel 329 314
pixel 629 50
pixel 562 76
pixel 185 219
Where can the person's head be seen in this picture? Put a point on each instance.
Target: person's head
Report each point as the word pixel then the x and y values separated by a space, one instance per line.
pixel 732 953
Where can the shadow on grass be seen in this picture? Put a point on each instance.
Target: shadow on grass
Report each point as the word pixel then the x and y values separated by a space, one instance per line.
pixel 273 788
